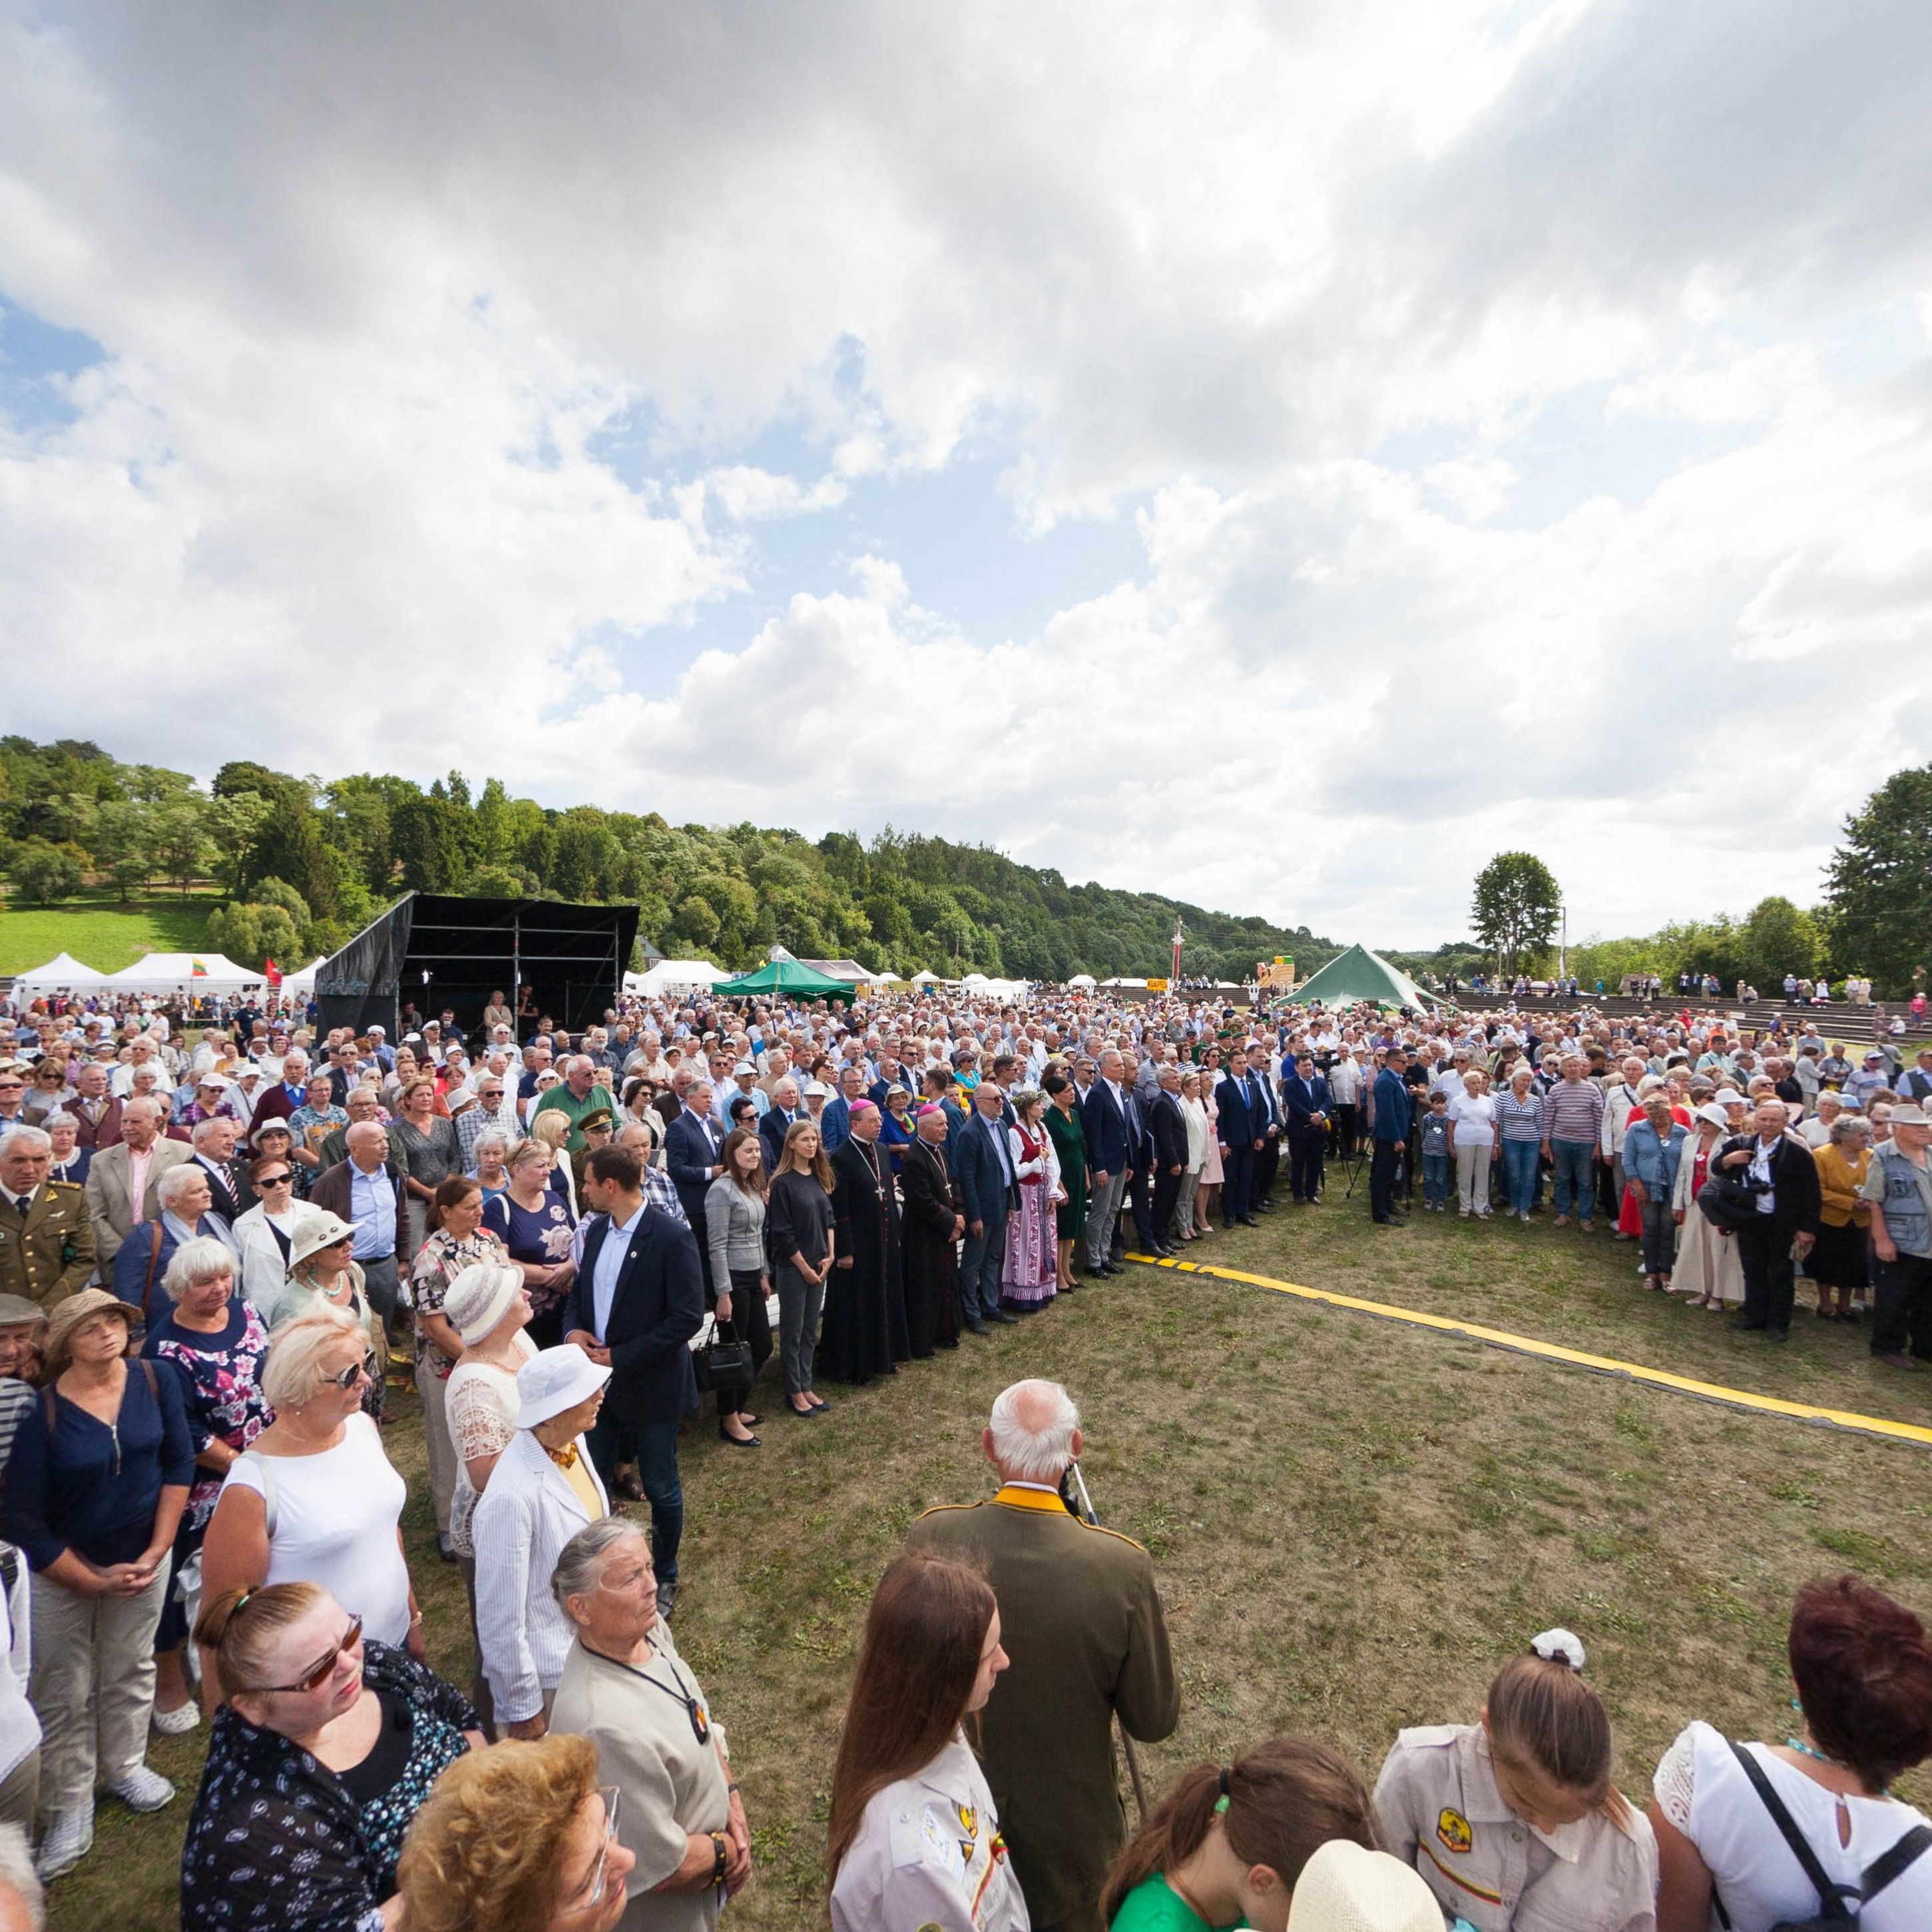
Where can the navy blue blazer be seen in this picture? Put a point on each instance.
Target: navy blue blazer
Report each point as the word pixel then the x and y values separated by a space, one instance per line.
pixel 658 1306
pixel 1392 1106
pixel 1301 1099
pixel 1240 1126
pixel 984 1195
pixel 1168 1126
pixel 772 1128
pixel 835 1124
pixel 1112 1131
pixel 690 1154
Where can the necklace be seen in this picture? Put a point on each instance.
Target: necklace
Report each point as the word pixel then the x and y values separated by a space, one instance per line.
pixel 565 1458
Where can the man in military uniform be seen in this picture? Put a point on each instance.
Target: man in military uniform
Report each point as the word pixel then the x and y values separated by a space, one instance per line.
pixel 46 1240
pixel 1082 1622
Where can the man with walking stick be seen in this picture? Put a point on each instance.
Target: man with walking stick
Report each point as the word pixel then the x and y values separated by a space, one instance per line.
pixel 1078 1612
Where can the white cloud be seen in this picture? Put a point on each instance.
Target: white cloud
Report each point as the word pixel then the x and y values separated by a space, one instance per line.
pixel 1475 373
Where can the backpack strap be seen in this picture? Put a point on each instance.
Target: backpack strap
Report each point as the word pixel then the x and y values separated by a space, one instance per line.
pixel 154 1262
pixel 1831 1900
pixel 1888 1865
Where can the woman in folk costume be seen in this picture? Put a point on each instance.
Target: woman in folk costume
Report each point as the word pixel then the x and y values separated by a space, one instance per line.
pixel 1031 1271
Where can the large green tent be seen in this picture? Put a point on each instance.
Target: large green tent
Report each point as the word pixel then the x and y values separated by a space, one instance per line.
pixel 1360 974
pixel 786 976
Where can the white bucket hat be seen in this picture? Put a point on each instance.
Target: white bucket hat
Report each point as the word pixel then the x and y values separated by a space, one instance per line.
pixel 1346 1888
pixel 554 1380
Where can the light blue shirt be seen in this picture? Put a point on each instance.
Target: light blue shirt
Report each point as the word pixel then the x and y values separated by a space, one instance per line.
pixel 372 1207
pixel 609 1265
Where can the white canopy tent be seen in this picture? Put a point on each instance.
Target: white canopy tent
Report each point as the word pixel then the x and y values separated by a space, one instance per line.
pixel 1084 980
pixel 929 978
pixel 62 973
pixel 304 981
pixel 184 972
pixel 670 974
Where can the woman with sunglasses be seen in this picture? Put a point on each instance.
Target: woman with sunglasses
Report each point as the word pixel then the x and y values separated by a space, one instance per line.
pixel 519 1839
pixel 266 1233
pixel 626 1689
pixel 324 1273
pixel 216 1344
pixel 314 1499
pixel 317 1765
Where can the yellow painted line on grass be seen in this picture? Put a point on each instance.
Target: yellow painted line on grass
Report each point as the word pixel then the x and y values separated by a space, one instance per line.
pixel 1575 1358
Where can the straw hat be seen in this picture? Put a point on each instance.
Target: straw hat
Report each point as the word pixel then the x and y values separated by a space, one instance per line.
pixel 479 1298
pixel 1346 1888
pixel 67 1315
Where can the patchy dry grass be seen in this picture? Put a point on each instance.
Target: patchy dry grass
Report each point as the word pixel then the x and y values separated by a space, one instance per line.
pixel 1353 1522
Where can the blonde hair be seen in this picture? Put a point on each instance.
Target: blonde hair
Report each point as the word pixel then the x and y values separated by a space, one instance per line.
pixel 293 1372
pixel 241 1626
pixel 487 1847
pixel 551 1127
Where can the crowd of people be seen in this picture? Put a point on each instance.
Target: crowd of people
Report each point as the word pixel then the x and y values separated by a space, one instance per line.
pixel 222 1247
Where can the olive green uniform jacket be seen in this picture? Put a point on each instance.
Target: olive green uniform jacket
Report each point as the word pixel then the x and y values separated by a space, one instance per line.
pixel 50 1255
pixel 1082 1620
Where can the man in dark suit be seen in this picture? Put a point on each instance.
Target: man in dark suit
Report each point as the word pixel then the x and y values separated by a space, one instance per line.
pixel 1238 1133
pixel 776 1121
pixel 1110 1136
pixel 1306 1104
pixel 1265 1110
pixel 1167 1126
pixel 1139 1209
pixel 215 1142
pixel 638 1299
pixel 982 1166
pixel 1780 1170
pixel 1390 1098
pixel 694 1154
pixel 366 1187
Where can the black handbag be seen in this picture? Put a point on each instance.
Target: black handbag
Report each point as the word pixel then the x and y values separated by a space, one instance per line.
pixel 1725 1203
pixel 722 1367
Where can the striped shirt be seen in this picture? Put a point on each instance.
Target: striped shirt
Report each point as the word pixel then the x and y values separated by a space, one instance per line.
pixel 1573 1111
pixel 1520 1119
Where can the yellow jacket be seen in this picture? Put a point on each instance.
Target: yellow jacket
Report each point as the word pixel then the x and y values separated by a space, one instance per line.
pixel 1838 1183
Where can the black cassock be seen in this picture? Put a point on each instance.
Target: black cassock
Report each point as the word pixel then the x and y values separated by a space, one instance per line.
pixel 864 1331
pixel 932 1255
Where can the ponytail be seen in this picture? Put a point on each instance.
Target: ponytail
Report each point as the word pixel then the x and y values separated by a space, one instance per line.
pixel 1542 1716
pixel 1277 1804
pixel 240 1627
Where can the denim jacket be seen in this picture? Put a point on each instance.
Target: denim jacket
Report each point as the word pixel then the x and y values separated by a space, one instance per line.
pixel 1652 1158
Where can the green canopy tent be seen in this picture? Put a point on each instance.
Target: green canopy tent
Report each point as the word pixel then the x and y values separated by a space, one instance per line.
pixel 785 976
pixel 1360 974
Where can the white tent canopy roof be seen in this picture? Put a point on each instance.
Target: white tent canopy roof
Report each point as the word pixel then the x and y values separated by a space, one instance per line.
pixel 170 972
pixel 63 971
pixel 1081 980
pixel 668 973
pixel 304 981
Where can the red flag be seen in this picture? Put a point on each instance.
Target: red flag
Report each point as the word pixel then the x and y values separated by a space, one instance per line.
pixel 271 973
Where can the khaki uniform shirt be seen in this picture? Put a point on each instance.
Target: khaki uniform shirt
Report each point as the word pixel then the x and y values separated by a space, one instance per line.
pixel 1082 1622
pixel 49 1255
pixel 929 1857
pixel 1442 1813
pixel 672 1785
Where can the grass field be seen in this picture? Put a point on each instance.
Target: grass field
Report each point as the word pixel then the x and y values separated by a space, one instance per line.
pixel 1353 1522
pixel 100 932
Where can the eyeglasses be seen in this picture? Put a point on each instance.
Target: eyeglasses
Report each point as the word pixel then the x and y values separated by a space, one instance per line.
pixel 319 1674
pixel 275 1180
pixel 355 1371
pixel 593 1896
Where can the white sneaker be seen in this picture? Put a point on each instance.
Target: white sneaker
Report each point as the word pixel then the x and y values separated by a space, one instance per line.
pixel 178 1722
pixel 69 1840
pixel 143 1790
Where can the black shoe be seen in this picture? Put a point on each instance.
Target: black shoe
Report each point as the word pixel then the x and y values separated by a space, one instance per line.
pixel 951 1342
pixel 1249 1221
pixel 739 1441
pixel 445 1550
pixel 1163 1251
pixel 666 1597
pixel 1003 1319
pixel 1777 1334
pixel 977 1328
pixel 1744 1321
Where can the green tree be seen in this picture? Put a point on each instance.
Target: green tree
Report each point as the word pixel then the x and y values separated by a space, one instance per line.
pixel 1879 885
pixel 183 850
pixel 124 845
pixel 1517 904
pixel 253 934
pixel 233 821
pixel 41 871
pixel 1778 938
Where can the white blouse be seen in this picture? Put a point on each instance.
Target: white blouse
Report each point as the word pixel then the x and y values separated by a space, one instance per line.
pixel 1702 1789
pixel 480 1406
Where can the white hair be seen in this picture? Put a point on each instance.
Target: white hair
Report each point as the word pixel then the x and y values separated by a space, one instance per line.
pixel 50 1121
pixel 32 1138
pixel 16 1869
pixel 177 1180
pixel 1039 1453
pixel 194 1262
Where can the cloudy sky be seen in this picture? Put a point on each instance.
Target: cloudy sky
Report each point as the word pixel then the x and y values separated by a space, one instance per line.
pixel 1280 455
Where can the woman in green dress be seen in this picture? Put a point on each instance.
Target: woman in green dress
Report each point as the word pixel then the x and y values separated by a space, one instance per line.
pixel 1224 1848
pixel 1069 1144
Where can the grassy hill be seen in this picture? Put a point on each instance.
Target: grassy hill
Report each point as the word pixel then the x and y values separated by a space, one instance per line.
pixel 100 932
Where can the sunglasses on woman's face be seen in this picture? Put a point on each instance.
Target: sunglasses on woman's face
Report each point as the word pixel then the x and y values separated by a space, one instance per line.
pixel 318 1674
pixel 355 1371
pixel 275 1180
